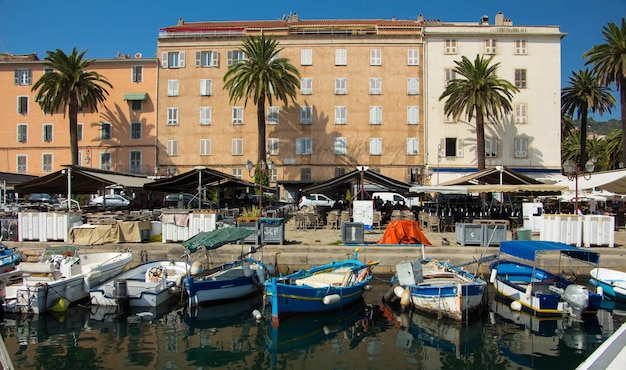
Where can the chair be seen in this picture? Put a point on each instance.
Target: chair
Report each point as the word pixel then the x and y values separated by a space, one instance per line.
pixel 407 215
pixel 448 223
pixel 423 219
pixel 396 214
pixel 377 219
pixel 434 222
pixel 300 221
pixel 332 220
pixel 345 216
pixel 313 220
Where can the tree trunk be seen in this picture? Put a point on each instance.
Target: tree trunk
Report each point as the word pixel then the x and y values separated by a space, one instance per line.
pixel 73 116
pixel 583 138
pixel 622 101
pixel 480 139
pixel 260 115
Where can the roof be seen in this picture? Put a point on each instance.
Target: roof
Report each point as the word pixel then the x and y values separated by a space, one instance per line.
pixel 189 181
pixel 493 175
pixel 531 249
pixel 13 179
pixel 354 177
pixel 613 181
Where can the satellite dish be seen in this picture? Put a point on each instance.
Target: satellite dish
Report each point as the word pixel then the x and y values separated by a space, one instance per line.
pixel 138 55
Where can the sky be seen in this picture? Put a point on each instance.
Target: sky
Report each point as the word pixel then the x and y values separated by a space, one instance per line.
pixel 106 27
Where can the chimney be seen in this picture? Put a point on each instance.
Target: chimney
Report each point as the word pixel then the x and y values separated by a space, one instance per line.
pixel 181 22
pixel 420 18
pixel 499 19
pixel 294 18
pixel 484 20
pixel 393 19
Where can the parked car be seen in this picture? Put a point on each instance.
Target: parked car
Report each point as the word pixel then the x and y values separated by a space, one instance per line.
pixel 111 200
pixel 189 201
pixel 42 198
pixel 315 200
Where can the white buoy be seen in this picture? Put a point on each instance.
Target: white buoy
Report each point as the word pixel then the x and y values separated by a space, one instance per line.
pixel 600 291
pixel 398 290
pixel 331 299
pixel 516 306
pixel 257 315
pixel 529 291
pixel 405 300
pixel 492 277
pixel 247 272
pixel 196 267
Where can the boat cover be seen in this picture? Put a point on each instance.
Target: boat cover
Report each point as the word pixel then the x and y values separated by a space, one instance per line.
pixel 530 249
pixel 404 232
pixel 216 238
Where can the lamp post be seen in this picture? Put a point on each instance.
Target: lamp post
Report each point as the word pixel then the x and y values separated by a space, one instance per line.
pixel 572 172
pixel 264 167
pixel 88 155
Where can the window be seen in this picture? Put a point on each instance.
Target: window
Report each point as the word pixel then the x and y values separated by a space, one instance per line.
pixel 450 75
pixel 450 46
pixel 205 115
pixel 46 162
pixel 48 70
pixel 237 146
pixel 339 171
pixel 306 86
pixel 376 84
pixel 23 77
pixel 376 146
pixel 136 105
pixel 341 113
pixel 413 86
pixel 273 146
pixel 306 57
pixel 47 132
pixel 304 146
pixel 79 131
pixel 520 113
pixel 413 57
pixel 340 86
pixel 172 148
pixel 237 116
pixel 235 56
pixel 22 104
pixel 105 131
pixel 376 58
pixel 491 147
pixel 172 87
pixel 172 116
pixel 105 161
pixel 306 115
pixel 490 46
pixel 412 115
pixel 237 172
pixel 412 146
pixel 21 163
pixel 136 73
pixel 376 115
pixel 135 161
pixel 521 147
pixel 520 78
pixel 305 174
pixel 22 133
pixel 452 147
pixel 273 113
pixel 520 47
pixel 207 59
pixel 206 87
pixel 341 57
pixel 205 146
pixel 173 59
pixel 340 146
pixel 135 130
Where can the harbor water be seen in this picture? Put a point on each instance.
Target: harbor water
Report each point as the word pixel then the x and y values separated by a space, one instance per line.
pixel 370 335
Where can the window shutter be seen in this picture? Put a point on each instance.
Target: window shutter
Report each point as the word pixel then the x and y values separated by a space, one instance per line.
pixel 215 59
pixel 229 57
pixel 459 148
pixel 198 59
pixel 181 59
pixel 164 60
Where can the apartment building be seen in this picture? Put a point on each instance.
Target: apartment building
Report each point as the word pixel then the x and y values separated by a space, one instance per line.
pixel 528 140
pixel 121 136
pixel 361 99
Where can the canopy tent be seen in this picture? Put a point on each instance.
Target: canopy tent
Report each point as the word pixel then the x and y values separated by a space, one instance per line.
pixel 613 181
pixel 9 180
pixel 191 180
pixel 354 177
pixel 442 189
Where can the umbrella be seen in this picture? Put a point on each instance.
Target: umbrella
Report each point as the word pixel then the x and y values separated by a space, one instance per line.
pixel 216 238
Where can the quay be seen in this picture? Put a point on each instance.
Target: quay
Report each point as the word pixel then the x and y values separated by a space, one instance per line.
pixel 611 355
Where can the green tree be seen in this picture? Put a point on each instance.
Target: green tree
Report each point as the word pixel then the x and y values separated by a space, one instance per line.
pixel 70 87
pixel 262 76
pixel 609 65
pixel 479 92
pixel 584 94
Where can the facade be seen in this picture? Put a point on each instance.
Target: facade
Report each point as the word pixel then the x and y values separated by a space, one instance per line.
pixel 121 136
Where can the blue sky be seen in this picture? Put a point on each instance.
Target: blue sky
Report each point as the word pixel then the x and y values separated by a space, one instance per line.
pixel 107 26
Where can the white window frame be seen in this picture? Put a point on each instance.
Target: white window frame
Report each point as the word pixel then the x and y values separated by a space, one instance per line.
pixel 340 146
pixel 136 73
pixel 412 146
pixel 306 115
pixel 376 115
pixel 207 58
pixel 205 147
pixel 106 131
pixel 520 112
pixel 521 147
pixel 47 132
pixel 304 146
pixel 22 104
pixel 306 86
pixel 491 47
pixel 491 147
pixel 135 130
pixel 136 105
pixel 236 146
pixel 376 146
pixel 376 86
pixel 376 57
pixel 341 84
pixel 79 131
pixel 173 59
pixel 521 78
pixel 450 46
pixel 206 87
pixel 413 57
pixel 235 56
pixel 341 115
pixel 273 115
pixel 22 133
pixel 106 161
pixel 23 77
pixel 341 57
pixel 237 172
pixel 306 57
pixel 172 116
pixel 172 148
pixel 206 115
pixel 47 162
pixel 172 87
pixel 412 86
pixel 273 146
pixel 413 115
pixel 21 167
pixel 237 115
pixel 134 161
pixel 521 47
pixel 449 75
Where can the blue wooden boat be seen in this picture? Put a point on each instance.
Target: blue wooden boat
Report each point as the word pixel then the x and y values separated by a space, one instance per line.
pixel 538 291
pixel 9 258
pixel 610 283
pixel 322 288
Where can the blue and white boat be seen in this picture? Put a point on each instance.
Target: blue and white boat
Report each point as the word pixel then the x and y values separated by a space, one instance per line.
pixel 527 287
pixel 610 283
pixel 9 258
pixel 322 288
pixel 436 287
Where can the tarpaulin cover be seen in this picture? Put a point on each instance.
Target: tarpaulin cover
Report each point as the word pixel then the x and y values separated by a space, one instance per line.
pixel 216 238
pixel 530 249
pixel 404 232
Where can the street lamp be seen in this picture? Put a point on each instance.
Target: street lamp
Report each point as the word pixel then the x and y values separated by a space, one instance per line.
pixel 571 170
pixel 264 167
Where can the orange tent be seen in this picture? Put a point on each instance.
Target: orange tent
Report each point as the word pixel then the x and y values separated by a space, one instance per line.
pixel 404 232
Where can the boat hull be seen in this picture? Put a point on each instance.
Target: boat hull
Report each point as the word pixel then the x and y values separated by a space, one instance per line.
pixel 612 282
pixel 458 302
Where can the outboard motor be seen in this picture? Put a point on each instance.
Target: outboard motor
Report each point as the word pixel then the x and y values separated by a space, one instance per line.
pixel 120 293
pixel 577 298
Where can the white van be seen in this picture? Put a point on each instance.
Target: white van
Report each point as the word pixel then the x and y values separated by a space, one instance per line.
pixel 394 198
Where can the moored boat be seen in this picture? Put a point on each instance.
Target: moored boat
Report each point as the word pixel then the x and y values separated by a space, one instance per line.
pixel 609 283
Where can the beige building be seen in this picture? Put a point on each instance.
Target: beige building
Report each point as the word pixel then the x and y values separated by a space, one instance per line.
pixel 360 101
pixel 121 136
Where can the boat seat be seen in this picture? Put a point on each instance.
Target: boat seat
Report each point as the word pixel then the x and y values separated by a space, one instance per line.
pixel 339 277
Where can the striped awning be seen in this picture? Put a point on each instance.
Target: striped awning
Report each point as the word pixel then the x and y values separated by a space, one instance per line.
pixel 135 96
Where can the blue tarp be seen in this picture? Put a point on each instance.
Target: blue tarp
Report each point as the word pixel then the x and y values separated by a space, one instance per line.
pixel 528 249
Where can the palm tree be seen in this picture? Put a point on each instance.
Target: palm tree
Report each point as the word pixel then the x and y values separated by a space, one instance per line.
pixel 480 92
pixel 71 88
pixel 609 65
pixel 263 76
pixel 584 94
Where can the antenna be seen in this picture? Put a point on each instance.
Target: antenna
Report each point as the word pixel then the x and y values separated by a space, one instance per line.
pixel 119 54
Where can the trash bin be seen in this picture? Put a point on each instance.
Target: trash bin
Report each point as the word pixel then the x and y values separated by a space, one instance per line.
pixel 524 234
